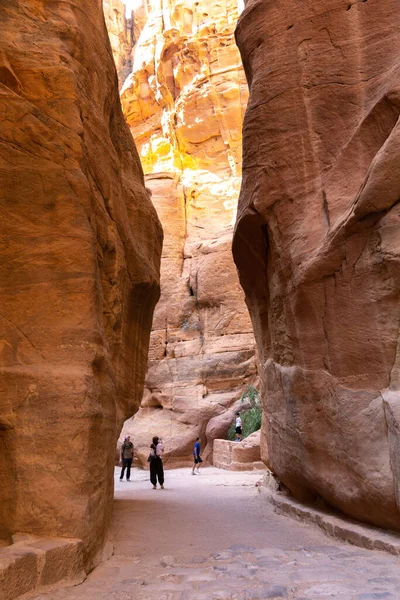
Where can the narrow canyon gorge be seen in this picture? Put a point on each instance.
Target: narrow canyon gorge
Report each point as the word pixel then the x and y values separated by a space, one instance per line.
pixel 184 103
pixel 184 217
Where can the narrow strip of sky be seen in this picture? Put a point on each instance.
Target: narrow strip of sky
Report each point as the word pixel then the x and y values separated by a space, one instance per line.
pixel 131 5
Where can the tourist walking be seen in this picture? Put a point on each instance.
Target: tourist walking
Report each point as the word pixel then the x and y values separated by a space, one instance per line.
pixel 238 429
pixel 197 460
pixel 127 452
pixel 156 464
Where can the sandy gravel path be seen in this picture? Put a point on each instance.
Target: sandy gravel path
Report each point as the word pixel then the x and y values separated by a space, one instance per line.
pixel 213 537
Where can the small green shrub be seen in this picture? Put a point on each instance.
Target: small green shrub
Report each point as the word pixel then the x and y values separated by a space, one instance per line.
pixel 252 395
pixel 251 418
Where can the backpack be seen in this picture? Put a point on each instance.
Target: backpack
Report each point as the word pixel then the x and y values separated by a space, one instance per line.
pixel 152 455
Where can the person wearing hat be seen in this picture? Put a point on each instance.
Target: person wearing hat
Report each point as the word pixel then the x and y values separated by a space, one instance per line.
pixel 127 453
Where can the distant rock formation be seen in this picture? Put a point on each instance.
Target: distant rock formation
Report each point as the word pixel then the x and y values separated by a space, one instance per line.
pixel 121 34
pixel 79 271
pixel 184 103
pixel 317 245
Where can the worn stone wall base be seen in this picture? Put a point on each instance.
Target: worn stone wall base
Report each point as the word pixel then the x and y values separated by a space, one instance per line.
pixel 238 456
pixel 31 563
pixel 338 527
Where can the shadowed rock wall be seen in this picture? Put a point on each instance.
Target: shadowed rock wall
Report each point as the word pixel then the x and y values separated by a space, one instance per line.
pixel 317 245
pixel 184 103
pixel 79 270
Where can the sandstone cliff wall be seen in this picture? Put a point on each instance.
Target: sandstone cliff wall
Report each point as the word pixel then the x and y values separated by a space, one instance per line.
pixel 79 271
pixel 184 103
pixel 317 245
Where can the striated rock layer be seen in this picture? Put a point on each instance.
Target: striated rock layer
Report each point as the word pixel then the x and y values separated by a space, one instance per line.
pixel 79 271
pixel 317 245
pixel 184 103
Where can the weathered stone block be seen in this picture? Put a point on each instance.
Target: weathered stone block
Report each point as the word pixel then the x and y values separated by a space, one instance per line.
pixel 62 559
pixel 18 572
pixel 238 456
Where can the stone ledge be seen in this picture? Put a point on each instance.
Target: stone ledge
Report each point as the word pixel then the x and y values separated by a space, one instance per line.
pixel 240 466
pixel 338 527
pixel 238 456
pixel 32 563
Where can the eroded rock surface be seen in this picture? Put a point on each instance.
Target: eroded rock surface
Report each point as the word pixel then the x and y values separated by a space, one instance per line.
pixel 121 33
pixel 79 271
pixel 184 103
pixel 317 245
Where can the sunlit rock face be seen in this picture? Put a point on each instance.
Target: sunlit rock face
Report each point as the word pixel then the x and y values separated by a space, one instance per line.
pixel 184 103
pixel 121 33
pixel 79 270
pixel 317 245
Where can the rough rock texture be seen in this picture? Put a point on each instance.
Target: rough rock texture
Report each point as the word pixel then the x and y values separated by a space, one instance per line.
pixel 80 250
pixel 32 563
pixel 120 32
pixel 317 245
pixel 238 456
pixel 184 102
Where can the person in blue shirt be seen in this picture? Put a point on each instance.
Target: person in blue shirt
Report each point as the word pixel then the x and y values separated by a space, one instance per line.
pixel 197 460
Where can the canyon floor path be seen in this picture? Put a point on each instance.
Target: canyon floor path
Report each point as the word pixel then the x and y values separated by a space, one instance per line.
pixel 214 537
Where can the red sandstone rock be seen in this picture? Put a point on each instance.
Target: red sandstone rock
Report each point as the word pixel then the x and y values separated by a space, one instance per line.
pixel 79 271
pixel 317 245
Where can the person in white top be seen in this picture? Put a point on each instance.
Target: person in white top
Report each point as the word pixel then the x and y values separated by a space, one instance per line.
pixel 238 429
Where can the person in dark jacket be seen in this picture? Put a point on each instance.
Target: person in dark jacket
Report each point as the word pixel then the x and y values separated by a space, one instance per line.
pixel 127 452
pixel 156 463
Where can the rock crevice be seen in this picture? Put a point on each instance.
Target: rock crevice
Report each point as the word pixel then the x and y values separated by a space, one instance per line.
pixel 184 102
